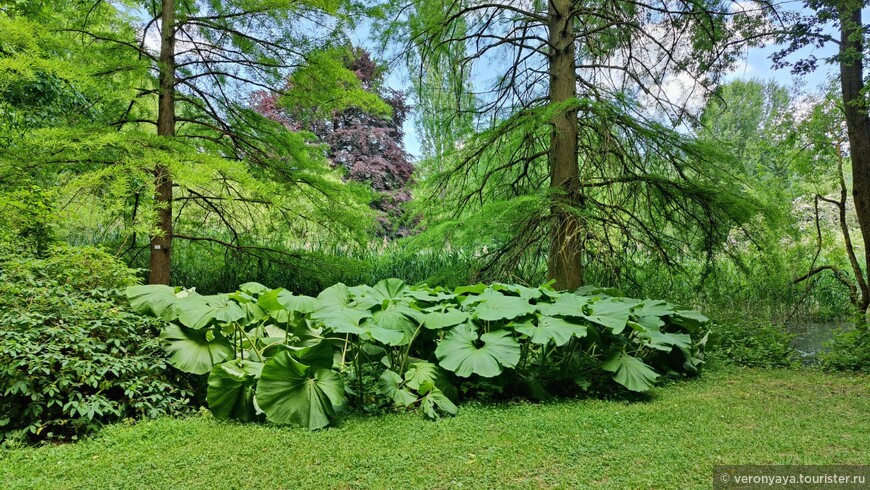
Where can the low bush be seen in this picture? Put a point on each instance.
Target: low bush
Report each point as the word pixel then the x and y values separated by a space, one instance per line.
pixel 753 344
pixel 72 355
pixel 294 359
pixel 849 351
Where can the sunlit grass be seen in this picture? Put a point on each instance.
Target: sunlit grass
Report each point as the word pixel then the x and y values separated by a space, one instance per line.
pixel 731 416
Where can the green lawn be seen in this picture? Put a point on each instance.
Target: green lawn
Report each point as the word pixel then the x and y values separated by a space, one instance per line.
pixel 729 417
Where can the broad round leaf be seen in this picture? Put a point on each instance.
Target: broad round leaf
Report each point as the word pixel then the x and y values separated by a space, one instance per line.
pixel 459 353
pixel 437 320
pixel 396 320
pixel 197 311
pixel 566 304
pixel 190 350
pixel 475 289
pixel 610 313
pixel 291 392
pixel 495 306
pixel 389 384
pixel 524 292
pixel 154 299
pixel 318 355
pixel 253 288
pixel 280 299
pixel 690 320
pixel 630 372
pixel 341 319
pixel 665 341
pixel 419 373
pixel 336 296
pixel 548 328
pixel 388 290
pixel 231 390
pixel 651 307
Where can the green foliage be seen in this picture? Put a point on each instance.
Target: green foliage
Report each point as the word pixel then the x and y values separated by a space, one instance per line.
pixel 73 356
pixel 27 217
pixel 292 358
pixel 75 80
pixel 325 85
pixel 849 351
pixel 753 344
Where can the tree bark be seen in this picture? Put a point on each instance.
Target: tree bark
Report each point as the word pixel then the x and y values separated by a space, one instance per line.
pixel 161 243
pixel 564 262
pixel 857 118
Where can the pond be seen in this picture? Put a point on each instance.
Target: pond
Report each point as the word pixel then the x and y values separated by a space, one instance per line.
pixel 810 337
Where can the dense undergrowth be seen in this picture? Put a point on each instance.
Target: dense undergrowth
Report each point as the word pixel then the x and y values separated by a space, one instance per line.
pixel 73 356
pixel 295 358
pixel 76 357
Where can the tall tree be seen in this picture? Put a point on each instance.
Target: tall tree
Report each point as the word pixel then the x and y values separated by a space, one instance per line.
pixel 846 19
pixel 216 168
pixel 443 100
pixel 582 70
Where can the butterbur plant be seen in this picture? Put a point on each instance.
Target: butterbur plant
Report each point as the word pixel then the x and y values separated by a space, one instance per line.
pixel 297 359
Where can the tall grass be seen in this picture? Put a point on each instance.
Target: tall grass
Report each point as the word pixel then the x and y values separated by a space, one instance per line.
pixel 761 291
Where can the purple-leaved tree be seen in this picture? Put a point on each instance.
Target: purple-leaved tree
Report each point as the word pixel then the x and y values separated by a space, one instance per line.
pixel 367 143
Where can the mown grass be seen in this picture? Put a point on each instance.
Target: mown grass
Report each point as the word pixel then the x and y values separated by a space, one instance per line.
pixel 731 416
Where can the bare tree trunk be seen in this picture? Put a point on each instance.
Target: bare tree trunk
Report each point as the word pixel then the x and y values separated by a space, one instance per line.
pixel 161 244
pixel 857 118
pixel 564 261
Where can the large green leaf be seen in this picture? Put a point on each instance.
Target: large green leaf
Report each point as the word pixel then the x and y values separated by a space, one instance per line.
pixel 495 306
pixel 420 372
pixel 434 296
pixel 459 353
pixel 231 388
pixel 291 392
pixel 190 350
pixel 154 299
pixel 437 320
pixel 394 319
pixel 524 292
pixel 651 307
pixel 370 330
pixel 665 341
pixel 389 290
pixel 318 355
pixel 610 313
pixel 336 296
pixel 195 311
pixel 630 372
pixel 280 299
pixel 433 397
pixel 253 288
pixel 475 289
pixel 548 328
pixel 390 384
pixel 565 305
pixel 341 319
pixel 691 320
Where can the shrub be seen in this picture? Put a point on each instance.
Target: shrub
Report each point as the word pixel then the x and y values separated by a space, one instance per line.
pixel 753 344
pixel 292 358
pixel 72 355
pixel 849 351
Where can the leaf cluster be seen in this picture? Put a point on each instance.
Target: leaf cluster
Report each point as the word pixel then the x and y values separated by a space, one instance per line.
pixel 296 358
pixel 73 355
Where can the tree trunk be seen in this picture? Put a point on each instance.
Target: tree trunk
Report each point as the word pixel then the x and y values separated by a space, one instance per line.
pixel 161 243
pixel 564 261
pixel 857 118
